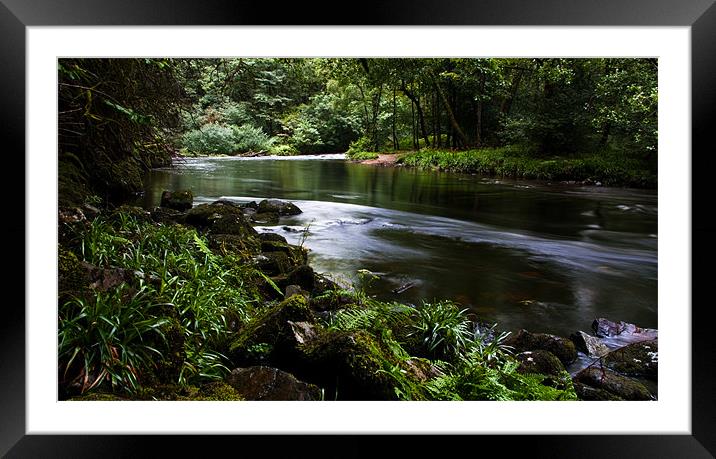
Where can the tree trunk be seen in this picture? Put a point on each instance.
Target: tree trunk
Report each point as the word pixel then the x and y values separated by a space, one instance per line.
pixel 451 116
pixel 421 118
pixel 396 144
pixel 507 101
pixel 478 113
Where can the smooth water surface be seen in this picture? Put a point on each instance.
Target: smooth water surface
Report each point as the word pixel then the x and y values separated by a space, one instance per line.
pixel 548 258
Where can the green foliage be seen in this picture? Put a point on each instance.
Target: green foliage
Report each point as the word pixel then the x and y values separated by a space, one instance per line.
pixel 249 138
pixel 506 162
pixel 211 139
pixel 442 329
pixel 107 339
pixel 180 279
pixel 361 155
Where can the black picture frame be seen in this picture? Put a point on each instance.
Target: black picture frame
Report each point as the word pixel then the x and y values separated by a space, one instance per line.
pixel 700 15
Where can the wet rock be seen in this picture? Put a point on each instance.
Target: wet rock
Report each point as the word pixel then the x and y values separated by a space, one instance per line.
pixel 272 237
pixel 589 393
pixel 333 300
pixel 273 246
pixel 322 284
pixel 104 279
pixel 178 200
pixel 279 207
pixel 614 383
pixel 203 215
pixel 166 215
pixel 588 344
pixel 539 362
pixel 226 202
pixel 250 205
pixel 563 348
pixel 636 359
pixel 264 218
pixel 265 383
pixel 625 331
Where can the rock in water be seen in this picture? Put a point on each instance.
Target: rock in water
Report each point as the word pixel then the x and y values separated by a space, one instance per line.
pixel 177 200
pixel 277 206
pixel 266 383
pixel 637 359
pixel 588 344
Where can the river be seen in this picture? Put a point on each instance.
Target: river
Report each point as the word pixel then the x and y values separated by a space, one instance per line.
pixel 545 257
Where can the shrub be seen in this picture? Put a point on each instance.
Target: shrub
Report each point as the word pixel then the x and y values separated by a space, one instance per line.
pixel 210 138
pixel 250 138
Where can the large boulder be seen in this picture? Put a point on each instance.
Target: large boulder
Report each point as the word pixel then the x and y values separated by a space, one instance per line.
pixel 563 348
pixel 166 215
pixel 263 218
pixel 266 383
pixel 272 237
pixel 590 345
pixel 614 383
pixel 177 200
pixel 279 207
pixel 233 244
pixel 636 359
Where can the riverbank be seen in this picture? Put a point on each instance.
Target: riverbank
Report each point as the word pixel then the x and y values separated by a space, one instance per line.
pixel 508 163
pixel 190 302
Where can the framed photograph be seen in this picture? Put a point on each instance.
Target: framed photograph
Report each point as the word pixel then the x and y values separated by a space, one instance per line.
pixel 403 77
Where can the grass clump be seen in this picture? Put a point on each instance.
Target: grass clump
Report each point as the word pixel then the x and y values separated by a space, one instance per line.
pixel 170 318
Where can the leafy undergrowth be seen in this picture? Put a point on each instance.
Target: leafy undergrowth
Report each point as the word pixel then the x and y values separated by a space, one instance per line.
pixel 361 155
pixel 507 162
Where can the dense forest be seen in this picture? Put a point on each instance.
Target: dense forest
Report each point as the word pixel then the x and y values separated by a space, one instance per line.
pixel 585 112
pixel 189 301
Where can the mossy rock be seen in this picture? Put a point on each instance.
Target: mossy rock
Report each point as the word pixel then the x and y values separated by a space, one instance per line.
pixel 303 276
pixel 264 218
pixel 117 178
pixel 637 359
pixel 218 391
pixel 236 225
pixel 71 181
pixel 138 213
pixel 271 328
pixel 177 200
pixel 563 348
pixel 279 207
pixel 275 263
pixel 98 397
pixel 169 365
pixel 233 244
pixel 589 393
pixel 350 366
pixel 166 216
pixel 610 381
pixel 272 237
pixel 539 362
pixel 203 215
pixel 71 275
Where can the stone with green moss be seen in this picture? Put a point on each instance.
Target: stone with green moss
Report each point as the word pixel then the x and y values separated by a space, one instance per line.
pixel 636 359
pixel 610 381
pixel 177 200
pixel 203 215
pixel 271 327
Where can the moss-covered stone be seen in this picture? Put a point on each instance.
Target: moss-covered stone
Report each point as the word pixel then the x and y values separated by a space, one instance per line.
pixel 616 384
pixel 266 383
pixel 637 359
pixel 135 212
pixel 275 263
pixel 279 207
pixel 236 225
pixel 264 218
pixel 271 327
pixel 563 348
pixel 167 216
pixel 589 393
pixel 178 200
pixel 272 237
pixel 232 244
pixel 539 362
pixel 203 215
pixel 72 276
pixel 350 366
pixel 332 300
pixel 218 391
pixel 98 397
pixel 303 276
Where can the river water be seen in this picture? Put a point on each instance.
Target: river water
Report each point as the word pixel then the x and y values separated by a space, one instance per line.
pixel 545 257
